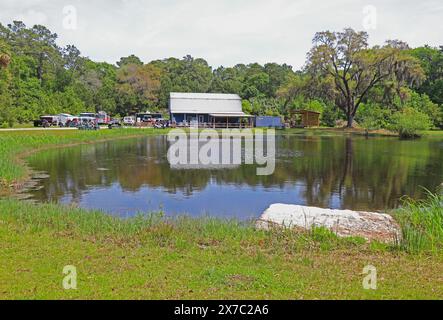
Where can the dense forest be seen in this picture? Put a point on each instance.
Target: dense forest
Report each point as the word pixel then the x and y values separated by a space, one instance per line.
pixel 344 78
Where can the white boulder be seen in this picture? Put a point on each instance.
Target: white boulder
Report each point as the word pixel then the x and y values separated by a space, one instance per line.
pixel 344 223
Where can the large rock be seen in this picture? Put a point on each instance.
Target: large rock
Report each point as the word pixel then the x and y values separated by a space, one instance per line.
pixel 344 223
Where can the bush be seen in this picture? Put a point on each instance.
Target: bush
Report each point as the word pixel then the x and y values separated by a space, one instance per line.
pixel 409 122
pixel 331 114
pixel 373 117
pixel 423 103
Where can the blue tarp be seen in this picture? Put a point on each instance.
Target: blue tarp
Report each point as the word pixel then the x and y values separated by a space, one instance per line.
pixel 268 122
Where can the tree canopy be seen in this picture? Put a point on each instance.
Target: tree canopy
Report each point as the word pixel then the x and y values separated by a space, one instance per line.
pixel 344 78
pixel 355 68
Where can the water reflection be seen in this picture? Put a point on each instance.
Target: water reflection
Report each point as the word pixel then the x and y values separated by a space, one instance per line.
pixel 123 177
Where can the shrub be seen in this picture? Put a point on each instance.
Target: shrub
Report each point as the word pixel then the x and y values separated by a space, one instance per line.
pixel 423 103
pixel 330 116
pixel 409 122
pixel 373 117
pixel 422 224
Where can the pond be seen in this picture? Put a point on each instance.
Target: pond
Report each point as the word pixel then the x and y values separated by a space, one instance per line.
pixel 126 177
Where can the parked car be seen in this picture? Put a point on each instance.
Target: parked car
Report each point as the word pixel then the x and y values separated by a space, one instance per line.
pixel 161 124
pixel 114 123
pixel 64 119
pixel 74 123
pixel 85 119
pixel 148 117
pixel 89 126
pixel 103 118
pixel 46 121
pixel 129 121
pixel 87 123
pixel 88 115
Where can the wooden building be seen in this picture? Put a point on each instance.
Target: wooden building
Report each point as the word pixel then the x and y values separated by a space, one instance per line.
pixel 309 118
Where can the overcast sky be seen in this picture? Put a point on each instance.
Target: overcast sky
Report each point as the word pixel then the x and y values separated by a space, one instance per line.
pixel 224 32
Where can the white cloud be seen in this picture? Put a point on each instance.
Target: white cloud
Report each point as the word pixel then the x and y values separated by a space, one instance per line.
pixel 223 32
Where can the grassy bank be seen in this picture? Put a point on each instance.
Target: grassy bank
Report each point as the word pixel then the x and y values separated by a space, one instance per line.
pixel 340 131
pixel 357 132
pixel 156 258
pixel 153 257
pixel 14 146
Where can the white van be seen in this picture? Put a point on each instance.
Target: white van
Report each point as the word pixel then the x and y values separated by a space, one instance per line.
pixel 129 121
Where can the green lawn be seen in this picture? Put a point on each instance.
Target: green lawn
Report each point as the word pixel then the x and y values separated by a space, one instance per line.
pixel 20 125
pixel 194 259
pixel 151 257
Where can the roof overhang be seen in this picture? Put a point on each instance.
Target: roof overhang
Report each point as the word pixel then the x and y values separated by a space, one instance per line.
pixel 307 111
pixel 203 96
pixel 230 115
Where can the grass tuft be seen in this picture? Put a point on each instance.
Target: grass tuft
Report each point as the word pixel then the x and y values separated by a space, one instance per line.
pixel 422 224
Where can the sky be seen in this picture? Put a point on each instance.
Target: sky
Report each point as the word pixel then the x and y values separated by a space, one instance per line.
pixel 224 32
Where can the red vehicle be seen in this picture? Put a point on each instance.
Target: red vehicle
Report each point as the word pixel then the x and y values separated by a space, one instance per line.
pixel 103 118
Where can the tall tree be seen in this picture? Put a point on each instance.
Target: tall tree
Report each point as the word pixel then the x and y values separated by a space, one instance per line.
pixel 278 75
pixel 5 80
pixel 355 68
pixel 132 59
pixel 432 62
pixel 183 75
pixel 138 87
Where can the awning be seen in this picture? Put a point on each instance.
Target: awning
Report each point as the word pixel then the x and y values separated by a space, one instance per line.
pixel 230 115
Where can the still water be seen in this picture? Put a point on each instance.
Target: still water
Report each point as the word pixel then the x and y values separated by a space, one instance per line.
pixel 132 176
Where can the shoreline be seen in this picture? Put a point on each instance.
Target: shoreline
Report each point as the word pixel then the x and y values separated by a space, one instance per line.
pixel 14 187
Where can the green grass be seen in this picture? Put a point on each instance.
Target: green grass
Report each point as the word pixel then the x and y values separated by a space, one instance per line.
pixel 433 133
pixel 19 125
pixel 152 257
pixel 422 224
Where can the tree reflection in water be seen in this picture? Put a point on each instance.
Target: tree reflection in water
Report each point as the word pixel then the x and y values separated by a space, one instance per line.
pixel 338 172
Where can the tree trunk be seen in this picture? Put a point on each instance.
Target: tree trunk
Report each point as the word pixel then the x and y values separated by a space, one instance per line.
pixel 350 119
